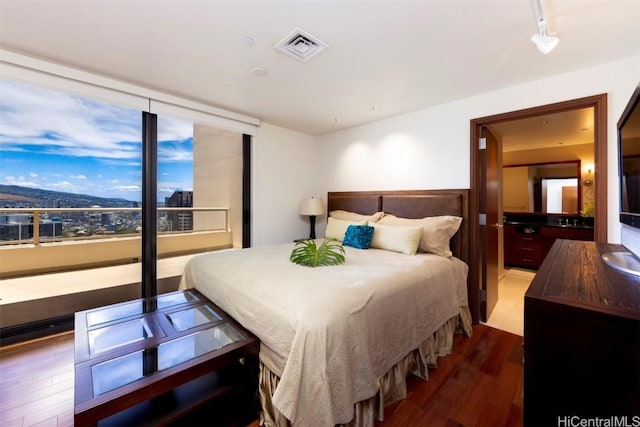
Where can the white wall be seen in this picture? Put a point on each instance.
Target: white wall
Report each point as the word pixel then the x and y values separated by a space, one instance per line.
pixel 429 149
pixel 217 178
pixel 284 171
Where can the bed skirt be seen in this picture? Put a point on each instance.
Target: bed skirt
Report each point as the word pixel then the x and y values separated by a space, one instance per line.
pixel 392 386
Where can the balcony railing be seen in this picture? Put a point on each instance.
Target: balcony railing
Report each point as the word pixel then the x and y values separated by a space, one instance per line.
pixel 89 223
pixel 47 248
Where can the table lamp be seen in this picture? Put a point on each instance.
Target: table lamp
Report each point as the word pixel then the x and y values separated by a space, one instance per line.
pixel 312 207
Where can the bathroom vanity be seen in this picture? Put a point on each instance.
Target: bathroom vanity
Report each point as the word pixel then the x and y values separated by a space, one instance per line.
pixel 528 238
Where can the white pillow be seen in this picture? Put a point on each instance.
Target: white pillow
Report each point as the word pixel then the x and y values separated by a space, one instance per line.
pixel 336 228
pixel 437 231
pixel 403 239
pixel 352 216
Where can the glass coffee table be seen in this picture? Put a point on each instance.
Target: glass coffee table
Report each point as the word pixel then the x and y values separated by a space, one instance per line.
pixel 151 361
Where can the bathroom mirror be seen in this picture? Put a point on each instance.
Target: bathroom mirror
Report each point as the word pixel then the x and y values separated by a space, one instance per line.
pixel 542 187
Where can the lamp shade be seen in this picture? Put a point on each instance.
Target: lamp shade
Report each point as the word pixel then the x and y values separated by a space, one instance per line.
pixel 311 207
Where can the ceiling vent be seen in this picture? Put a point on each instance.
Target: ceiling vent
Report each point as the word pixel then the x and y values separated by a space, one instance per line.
pixel 301 45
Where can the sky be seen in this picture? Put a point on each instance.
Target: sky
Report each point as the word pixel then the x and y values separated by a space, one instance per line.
pixel 56 141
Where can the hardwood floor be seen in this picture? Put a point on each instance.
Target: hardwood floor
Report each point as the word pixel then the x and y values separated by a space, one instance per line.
pixel 36 382
pixel 479 384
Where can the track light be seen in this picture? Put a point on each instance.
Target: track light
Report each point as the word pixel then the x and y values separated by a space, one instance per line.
pixel 542 40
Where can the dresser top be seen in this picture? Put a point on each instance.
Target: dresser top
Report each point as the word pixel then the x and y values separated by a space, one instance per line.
pixel 574 274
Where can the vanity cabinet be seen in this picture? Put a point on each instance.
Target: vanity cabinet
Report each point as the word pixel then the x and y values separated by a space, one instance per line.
pixel 581 338
pixel 527 245
pixel 528 249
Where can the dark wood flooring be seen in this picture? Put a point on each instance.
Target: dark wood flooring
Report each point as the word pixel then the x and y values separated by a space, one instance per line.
pixel 479 384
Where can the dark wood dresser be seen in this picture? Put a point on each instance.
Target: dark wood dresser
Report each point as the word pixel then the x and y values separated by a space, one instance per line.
pixel 581 338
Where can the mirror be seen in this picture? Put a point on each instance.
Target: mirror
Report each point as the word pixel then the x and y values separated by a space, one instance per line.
pixel 542 187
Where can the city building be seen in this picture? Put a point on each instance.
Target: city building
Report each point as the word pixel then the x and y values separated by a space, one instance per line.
pixel 20 227
pixel 179 221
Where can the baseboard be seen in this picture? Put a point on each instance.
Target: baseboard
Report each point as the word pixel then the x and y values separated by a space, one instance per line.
pixel 38 329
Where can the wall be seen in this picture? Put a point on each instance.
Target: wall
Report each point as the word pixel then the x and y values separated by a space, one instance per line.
pixel 582 152
pixel 430 148
pixel 284 171
pixel 217 178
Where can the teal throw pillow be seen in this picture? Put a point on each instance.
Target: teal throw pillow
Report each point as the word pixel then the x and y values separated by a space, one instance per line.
pixel 358 236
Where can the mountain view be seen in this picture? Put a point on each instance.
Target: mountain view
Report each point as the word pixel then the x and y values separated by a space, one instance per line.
pixel 65 143
pixel 14 196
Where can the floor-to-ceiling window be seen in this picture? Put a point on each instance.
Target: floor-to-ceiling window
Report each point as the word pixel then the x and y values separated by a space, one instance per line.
pixel 71 165
pixel 60 150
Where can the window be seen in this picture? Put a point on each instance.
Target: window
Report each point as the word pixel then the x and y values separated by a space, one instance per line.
pixel 82 148
pixel 71 171
pixel 65 151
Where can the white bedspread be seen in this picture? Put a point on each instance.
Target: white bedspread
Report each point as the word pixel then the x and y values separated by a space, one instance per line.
pixel 330 333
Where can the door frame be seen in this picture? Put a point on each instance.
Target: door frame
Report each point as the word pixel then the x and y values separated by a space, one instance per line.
pixel 599 104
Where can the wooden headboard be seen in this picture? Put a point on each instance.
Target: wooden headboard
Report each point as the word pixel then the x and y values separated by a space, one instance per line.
pixel 411 204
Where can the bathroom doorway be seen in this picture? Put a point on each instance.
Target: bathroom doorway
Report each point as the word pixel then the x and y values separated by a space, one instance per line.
pixel 481 191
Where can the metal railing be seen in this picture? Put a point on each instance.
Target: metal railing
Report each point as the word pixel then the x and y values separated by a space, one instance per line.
pixel 40 216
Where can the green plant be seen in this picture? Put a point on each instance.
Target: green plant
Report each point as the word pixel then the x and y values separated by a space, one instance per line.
pixel 307 253
pixel 588 209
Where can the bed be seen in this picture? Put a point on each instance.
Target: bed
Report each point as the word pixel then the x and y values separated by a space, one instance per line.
pixel 338 342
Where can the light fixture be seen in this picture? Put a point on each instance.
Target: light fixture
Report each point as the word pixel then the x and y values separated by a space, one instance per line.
pixel 312 207
pixel 588 182
pixel 542 40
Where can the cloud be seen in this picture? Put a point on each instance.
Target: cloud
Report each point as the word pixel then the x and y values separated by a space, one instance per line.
pixel 128 188
pixel 63 186
pixel 175 154
pixel 91 142
pixel 20 180
pixel 173 129
pixel 35 119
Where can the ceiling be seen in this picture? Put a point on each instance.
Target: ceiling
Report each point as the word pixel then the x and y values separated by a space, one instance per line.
pixel 384 57
pixel 572 127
